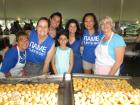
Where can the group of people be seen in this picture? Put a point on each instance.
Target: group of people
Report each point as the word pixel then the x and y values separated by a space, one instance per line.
pixel 51 48
pixel 6 31
pixel 16 27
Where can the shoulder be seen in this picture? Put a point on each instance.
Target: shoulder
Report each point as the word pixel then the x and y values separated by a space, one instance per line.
pixel 78 40
pixel 69 49
pixel 33 32
pixel 32 35
pixel 118 40
pixel 99 33
pixel 85 31
pixel 117 37
pixel 49 41
pixel 12 50
pixel 50 38
pixel 11 55
pixel 58 49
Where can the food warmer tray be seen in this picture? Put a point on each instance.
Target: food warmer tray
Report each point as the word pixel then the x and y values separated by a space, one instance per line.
pixel 128 78
pixel 58 79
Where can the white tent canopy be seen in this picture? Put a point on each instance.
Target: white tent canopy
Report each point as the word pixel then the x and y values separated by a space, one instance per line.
pixel 71 9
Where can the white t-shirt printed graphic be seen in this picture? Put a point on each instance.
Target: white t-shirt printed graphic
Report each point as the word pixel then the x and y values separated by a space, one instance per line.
pixel 90 40
pixel 38 49
pixel 36 53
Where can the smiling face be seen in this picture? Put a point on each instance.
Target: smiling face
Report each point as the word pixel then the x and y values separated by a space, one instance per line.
pixel 63 40
pixel 89 22
pixel 42 28
pixel 23 42
pixel 55 21
pixel 106 25
pixel 72 28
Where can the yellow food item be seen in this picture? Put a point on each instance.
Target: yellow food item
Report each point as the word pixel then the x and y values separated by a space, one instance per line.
pixel 92 91
pixel 28 94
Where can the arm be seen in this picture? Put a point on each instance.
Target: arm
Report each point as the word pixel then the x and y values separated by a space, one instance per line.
pixel 119 59
pixel 48 59
pixel 4 51
pixel 71 61
pixel 81 46
pixel 53 66
pixel 9 61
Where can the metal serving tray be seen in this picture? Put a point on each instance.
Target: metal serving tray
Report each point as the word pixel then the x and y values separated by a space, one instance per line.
pixel 82 76
pixel 128 78
pixel 58 79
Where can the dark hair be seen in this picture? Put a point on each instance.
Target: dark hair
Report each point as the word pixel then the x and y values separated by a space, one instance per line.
pixel 77 33
pixel 59 15
pixel 43 18
pixel 5 43
pixel 27 26
pixel 63 33
pixel 94 18
pixel 20 33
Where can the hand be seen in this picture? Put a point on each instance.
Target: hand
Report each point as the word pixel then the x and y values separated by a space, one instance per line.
pixel 24 73
pixel 111 73
pixel 69 72
pixel 8 75
pixel 55 73
pixel 44 72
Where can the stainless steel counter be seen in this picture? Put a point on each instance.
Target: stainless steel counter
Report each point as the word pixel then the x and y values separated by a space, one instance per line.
pixel 65 96
pixel 137 81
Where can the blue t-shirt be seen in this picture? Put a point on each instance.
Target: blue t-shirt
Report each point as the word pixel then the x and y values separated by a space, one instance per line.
pixel 77 67
pixel 89 44
pixel 11 58
pixel 36 53
pixel 116 41
pixel 76 46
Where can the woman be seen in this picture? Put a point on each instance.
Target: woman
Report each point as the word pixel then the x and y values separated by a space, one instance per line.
pixel 55 28
pixel 40 50
pixel 55 24
pixel 91 38
pixel 110 51
pixel 15 58
pixel 73 30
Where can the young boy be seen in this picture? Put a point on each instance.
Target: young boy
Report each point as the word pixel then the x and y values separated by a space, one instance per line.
pixel 15 58
pixel 63 58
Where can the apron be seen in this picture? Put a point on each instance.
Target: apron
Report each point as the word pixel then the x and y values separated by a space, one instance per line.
pixel 2 75
pixel 16 71
pixel 104 61
pixel 34 69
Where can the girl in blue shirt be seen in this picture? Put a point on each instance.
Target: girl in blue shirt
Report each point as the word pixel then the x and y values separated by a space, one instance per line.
pixel 91 38
pixel 63 59
pixel 40 50
pixel 73 30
